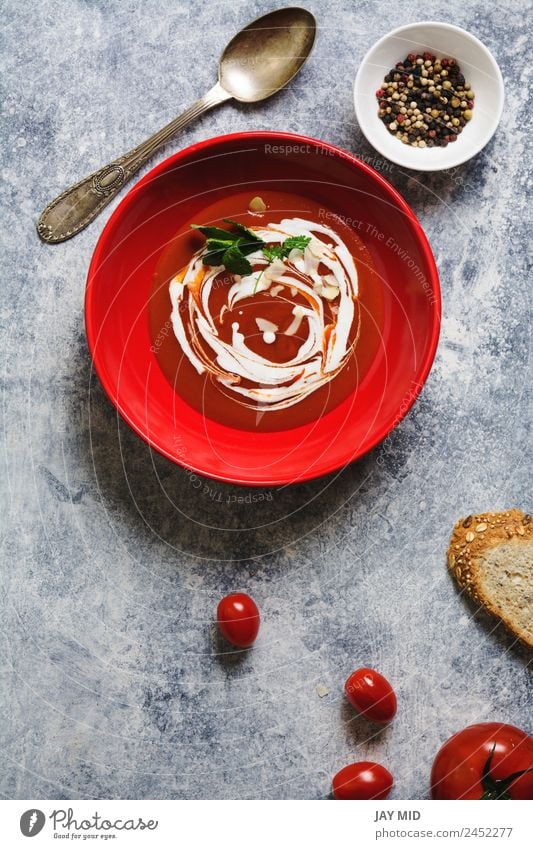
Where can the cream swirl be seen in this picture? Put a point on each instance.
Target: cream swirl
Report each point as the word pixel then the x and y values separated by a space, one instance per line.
pixel 326 306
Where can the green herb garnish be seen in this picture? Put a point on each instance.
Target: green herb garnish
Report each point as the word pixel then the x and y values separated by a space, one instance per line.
pixel 283 250
pixel 235 260
pixel 230 249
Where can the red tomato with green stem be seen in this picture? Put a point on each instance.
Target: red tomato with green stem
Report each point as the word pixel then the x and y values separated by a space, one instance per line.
pixel 238 619
pixel 363 780
pixel 371 694
pixel 489 760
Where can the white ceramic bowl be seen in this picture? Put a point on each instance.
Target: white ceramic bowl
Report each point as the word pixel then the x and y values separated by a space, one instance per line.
pixel 479 68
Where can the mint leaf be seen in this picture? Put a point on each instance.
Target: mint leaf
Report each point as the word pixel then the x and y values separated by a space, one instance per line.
pixel 247 247
pixel 228 248
pixel 250 236
pixel 235 261
pixel 216 249
pixel 211 232
pixel 214 257
pixel 219 244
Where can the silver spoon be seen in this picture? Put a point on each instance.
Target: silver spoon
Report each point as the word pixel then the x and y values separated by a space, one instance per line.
pixel 259 61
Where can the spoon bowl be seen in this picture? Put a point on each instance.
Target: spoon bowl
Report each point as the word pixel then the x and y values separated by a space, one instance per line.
pixel 264 56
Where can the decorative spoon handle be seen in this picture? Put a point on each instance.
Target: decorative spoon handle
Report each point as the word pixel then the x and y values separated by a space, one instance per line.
pixel 76 207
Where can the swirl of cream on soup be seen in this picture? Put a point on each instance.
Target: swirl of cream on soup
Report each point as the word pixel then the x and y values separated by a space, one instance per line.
pixel 320 288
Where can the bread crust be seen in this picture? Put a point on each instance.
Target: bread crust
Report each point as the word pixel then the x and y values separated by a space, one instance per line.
pixel 472 537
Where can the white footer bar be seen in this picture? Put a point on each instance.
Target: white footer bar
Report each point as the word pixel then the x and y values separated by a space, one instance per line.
pixel 262 824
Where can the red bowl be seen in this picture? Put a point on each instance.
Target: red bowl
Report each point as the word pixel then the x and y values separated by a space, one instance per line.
pixel 120 283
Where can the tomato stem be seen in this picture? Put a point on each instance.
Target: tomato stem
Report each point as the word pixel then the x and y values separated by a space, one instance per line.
pixel 498 788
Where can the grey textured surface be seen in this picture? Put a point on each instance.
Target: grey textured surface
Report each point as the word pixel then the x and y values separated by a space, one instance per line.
pixel 114 683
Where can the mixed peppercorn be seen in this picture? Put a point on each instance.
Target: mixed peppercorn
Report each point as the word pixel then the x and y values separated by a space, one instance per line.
pixel 425 101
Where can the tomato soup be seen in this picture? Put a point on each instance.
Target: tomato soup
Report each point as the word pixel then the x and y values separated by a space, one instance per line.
pixel 283 341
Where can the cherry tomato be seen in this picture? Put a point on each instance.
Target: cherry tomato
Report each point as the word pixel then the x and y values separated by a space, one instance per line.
pixel 484 761
pixel 238 619
pixel 371 694
pixel 364 780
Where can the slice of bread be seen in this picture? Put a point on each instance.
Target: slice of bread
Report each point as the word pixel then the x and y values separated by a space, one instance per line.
pixel 491 557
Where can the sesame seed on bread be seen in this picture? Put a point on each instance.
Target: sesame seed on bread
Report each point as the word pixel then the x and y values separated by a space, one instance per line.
pixel 491 556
